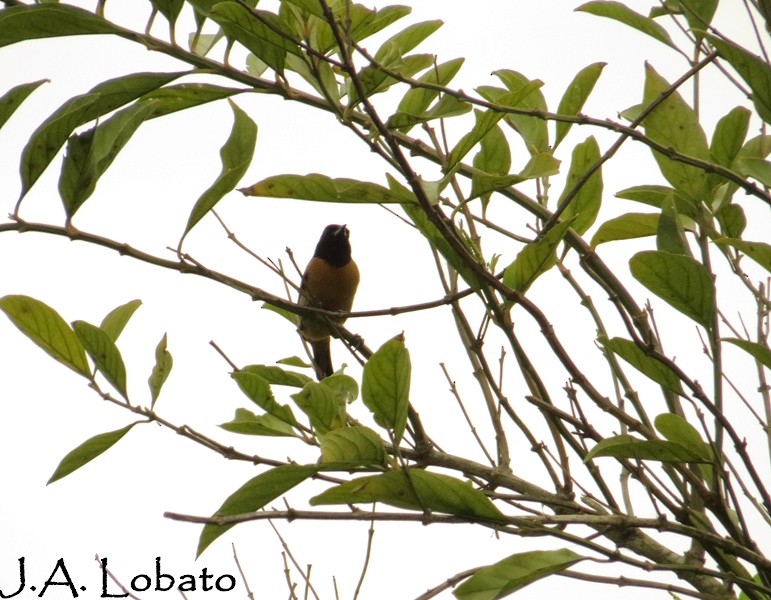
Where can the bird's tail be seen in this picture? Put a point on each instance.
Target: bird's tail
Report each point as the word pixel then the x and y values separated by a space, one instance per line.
pixel 322 358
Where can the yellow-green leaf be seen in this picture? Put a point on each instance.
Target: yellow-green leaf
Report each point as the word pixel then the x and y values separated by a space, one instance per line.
pixel 88 451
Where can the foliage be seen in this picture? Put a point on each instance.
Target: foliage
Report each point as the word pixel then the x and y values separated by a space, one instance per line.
pixel 686 468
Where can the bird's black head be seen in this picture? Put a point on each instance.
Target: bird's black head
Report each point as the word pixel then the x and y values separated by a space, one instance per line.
pixel 334 246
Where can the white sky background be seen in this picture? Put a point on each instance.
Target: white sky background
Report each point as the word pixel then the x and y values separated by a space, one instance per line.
pixel 114 505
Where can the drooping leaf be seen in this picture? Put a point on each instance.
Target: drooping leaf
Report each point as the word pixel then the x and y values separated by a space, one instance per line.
pixel 48 138
pixel 760 252
pixel 87 452
pixel 115 321
pixel 732 220
pixel 254 495
pixel 648 366
pixel 673 124
pixel 493 161
pixel 681 281
pixel 247 423
pixel 104 353
pixel 385 386
pixel 13 98
pixel 626 227
pixel 43 325
pixel 90 154
pixel 161 369
pixel 699 15
pixel 258 391
pixel 515 572
pixel 236 156
pixel 415 490
pixel 321 188
pixel 585 204
pixel 622 13
pixel 535 258
pixel 575 96
pixel 351 447
pixel 754 70
pixel 174 98
pixel 169 8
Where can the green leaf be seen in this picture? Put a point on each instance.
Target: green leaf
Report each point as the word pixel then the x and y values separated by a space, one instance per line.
pixel 43 325
pixel 374 80
pixel 161 369
pixel 344 386
pixel 523 95
pixel 491 163
pixel 755 71
pixel 673 124
pixel 620 12
pixel 417 100
pixel 13 98
pixel 541 164
pixel 658 195
pixel 87 452
pixel 169 8
pixel 679 431
pixel 323 405
pixel 760 252
pixel 626 227
pixel 575 96
pixel 236 156
pixel 585 205
pixel 385 386
pixel 415 489
pixel 626 446
pixel 174 98
pixel 682 282
pixel 434 237
pixel 407 39
pixel 321 188
pixel 535 259
pixel 247 423
pixel 350 447
pixel 760 352
pixel 91 153
pixel 48 138
pixel 515 572
pixel 115 321
pixel 648 366
pixel 254 495
pixel 728 138
pixel 732 220
pixel 670 236
pixel 278 376
pixel 104 353
pixel 258 31
pixel 258 391
pixel 21 23
pixel 699 15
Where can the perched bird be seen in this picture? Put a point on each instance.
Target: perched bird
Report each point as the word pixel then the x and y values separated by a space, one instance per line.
pixel 329 282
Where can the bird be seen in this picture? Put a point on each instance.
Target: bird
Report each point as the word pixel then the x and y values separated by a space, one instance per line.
pixel 329 282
